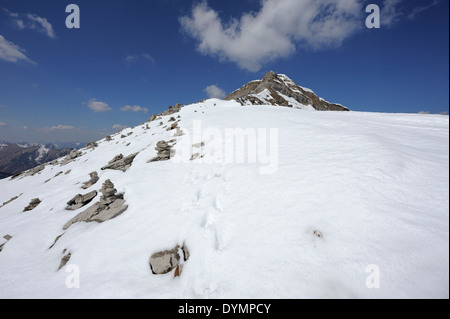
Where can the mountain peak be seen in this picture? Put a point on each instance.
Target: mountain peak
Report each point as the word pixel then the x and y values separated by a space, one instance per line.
pixel 280 90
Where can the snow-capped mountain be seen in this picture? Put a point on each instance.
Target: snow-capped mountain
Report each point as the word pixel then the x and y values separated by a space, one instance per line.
pixel 19 157
pixel 222 200
pixel 280 90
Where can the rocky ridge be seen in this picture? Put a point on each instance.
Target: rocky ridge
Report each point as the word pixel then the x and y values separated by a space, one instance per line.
pixel 280 90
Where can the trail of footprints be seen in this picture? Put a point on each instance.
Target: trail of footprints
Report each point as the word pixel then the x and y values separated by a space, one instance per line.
pixel 208 199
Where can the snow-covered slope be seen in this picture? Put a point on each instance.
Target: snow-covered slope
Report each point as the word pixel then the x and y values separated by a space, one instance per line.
pixel 342 196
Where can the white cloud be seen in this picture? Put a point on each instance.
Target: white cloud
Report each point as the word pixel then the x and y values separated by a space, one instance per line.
pixel 31 21
pixel 2 124
pixel 40 24
pixel 62 127
pixel 280 27
pixel 135 57
pixel 57 128
pixel 135 108
pixel 274 31
pixel 393 12
pixel 99 107
pixel 214 91
pixel 12 53
pixel 118 127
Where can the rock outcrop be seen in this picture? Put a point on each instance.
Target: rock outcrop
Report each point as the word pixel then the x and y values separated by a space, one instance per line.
pixel 33 204
pixel 110 206
pixel 278 89
pixel 164 262
pixel 171 110
pixel 71 157
pixel 120 162
pixel 11 200
pixel 80 200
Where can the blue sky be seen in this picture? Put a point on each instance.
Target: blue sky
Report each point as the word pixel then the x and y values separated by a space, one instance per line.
pixel 130 59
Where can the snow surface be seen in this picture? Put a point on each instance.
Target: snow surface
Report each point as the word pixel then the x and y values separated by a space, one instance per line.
pixel 376 186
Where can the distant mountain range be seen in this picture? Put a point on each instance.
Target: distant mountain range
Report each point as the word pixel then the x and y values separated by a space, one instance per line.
pixel 19 157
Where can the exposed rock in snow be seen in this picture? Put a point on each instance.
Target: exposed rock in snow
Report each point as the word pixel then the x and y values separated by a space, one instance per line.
pixel 110 206
pixel 71 157
pixel 33 204
pixel 165 151
pixel 173 126
pixel 171 110
pixel 120 163
pixel 164 262
pixel 9 201
pixel 94 179
pixel 8 238
pixel 80 200
pixel 278 89
pixel 91 145
pixel 65 259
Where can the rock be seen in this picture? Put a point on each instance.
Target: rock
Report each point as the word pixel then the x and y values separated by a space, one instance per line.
pixel 56 239
pixel 173 126
pixel 71 157
pixel 33 204
pixel 8 238
pixel 121 163
pixel 172 119
pixel 165 261
pixel 9 201
pixel 91 145
pixel 108 138
pixel 110 206
pixel 318 234
pixel 34 171
pixel 68 172
pixel 64 260
pixel 195 156
pixel 165 151
pixel 80 200
pixel 279 85
pixel 94 179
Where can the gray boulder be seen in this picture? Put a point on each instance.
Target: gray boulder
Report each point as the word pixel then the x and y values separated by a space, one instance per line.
pixel 120 162
pixel 80 200
pixel 110 206
pixel 165 151
pixel 164 262
pixel 33 204
pixel 71 157
pixel 94 179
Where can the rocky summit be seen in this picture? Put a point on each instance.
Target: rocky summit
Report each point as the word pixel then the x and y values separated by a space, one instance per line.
pixel 280 90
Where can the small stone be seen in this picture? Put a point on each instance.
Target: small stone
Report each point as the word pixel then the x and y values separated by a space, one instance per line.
pixel 33 204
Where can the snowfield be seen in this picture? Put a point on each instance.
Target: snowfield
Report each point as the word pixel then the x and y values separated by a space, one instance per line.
pixel 356 200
